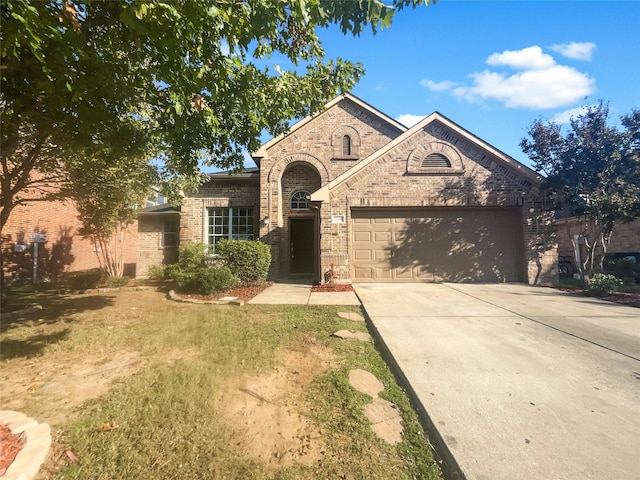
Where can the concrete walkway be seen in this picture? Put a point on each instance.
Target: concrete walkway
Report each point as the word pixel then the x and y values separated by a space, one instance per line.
pixel 517 382
pixel 301 294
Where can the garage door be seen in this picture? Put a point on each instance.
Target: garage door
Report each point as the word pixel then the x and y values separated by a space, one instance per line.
pixel 437 244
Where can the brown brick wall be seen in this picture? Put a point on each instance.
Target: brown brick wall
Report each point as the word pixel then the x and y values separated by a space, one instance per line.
pixel 224 193
pixel 65 250
pixel 318 145
pixel 485 182
pixel 150 248
pixel 625 238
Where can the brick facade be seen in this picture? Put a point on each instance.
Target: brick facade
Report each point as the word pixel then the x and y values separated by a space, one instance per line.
pixel 625 238
pixel 381 167
pixel 64 250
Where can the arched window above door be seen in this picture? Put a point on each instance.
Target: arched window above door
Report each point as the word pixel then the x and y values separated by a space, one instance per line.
pixel 299 200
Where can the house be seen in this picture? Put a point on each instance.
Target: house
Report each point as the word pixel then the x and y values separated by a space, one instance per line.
pixel 352 195
pixel 625 242
pixel 63 249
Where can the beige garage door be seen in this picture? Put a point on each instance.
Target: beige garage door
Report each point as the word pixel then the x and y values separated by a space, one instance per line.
pixel 437 244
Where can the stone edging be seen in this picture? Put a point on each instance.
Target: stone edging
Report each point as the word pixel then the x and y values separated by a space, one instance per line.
pixel 228 301
pixel 37 444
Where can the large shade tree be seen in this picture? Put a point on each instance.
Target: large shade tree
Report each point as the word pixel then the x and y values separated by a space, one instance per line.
pixel 593 171
pixel 185 81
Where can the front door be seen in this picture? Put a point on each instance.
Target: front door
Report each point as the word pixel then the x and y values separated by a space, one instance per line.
pixel 301 234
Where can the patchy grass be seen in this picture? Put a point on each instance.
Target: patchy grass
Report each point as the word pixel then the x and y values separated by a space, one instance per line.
pixel 201 391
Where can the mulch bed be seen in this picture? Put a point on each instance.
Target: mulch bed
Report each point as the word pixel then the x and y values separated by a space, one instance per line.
pixel 630 299
pixel 10 445
pixel 336 287
pixel 243 292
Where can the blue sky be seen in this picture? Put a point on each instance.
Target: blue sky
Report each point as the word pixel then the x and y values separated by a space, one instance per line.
pixel 494 67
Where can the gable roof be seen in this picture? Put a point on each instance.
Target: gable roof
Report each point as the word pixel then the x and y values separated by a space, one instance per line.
pixel 323 193
pixel 262 151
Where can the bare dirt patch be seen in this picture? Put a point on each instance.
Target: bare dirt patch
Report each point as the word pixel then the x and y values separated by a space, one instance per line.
pixel 242 292
pixel 264 412
pixel 65 385
pixel 336 287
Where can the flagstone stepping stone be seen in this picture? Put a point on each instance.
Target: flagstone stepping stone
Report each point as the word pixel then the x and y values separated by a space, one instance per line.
pixel 386 421
pixel 365 382
pixel 354 317
pixel 362 336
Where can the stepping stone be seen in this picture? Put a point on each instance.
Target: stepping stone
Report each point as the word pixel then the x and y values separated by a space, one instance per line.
pixel 365 382
pixel 386 421
pixel 362 336
pixel 354 317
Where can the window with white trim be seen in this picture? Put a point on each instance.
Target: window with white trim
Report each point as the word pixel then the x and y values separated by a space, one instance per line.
pixel 299 200
pixel 229 223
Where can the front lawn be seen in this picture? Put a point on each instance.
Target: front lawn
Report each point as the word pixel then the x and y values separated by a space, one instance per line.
pixel 137 386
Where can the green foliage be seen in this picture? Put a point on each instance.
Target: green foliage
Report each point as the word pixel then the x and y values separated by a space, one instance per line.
pixel 192 274
pixel 85 279
pixel 627 269
pixel 177 79
pixel 215 279
pixel 594 171
pixel 248 259
pixel 603 284
pixel 157 272
pixel 117 282
pixel 192 256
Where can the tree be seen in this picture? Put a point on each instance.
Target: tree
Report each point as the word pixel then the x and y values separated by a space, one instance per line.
pixel 107 196
pixel 77 75
pixel 593 171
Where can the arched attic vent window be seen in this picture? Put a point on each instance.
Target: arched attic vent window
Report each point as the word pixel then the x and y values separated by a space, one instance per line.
pixel 346 145
pixel 299 200
pixel 435 160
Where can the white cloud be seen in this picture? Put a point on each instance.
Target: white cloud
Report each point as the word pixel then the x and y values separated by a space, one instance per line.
pixel 529 58
pixel 437 86
pixel 408 119
pixel 575 50
pixel 382 87
pixel 567 115
pixel 552 87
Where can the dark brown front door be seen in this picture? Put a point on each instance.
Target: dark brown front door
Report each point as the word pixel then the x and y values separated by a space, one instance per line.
pixel 301 234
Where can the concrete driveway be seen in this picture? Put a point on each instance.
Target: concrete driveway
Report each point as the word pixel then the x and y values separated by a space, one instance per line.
pixel 517 382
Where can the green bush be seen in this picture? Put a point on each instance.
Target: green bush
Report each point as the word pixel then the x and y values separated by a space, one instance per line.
pixel 192 256
pixel 85 279
pixel 603 284
pixel 157 272
pixel 206 280
pixel 248 259
pixel 117 282
pixel 625 267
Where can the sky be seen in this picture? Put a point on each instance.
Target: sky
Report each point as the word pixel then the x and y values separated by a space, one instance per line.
pixel 494 67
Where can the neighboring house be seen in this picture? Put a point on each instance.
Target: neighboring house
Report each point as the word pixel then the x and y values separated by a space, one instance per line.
pixel 625 241
pixel 64 249
pixel 158 236
pixel 353 195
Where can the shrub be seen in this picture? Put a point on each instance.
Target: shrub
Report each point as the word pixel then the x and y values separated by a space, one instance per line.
pixel 248 259
pixel 626 267
pixel 117 282
pixel 157 272
pixel 85 279
pixel 603 284
pixel 206 280
pixel 192 256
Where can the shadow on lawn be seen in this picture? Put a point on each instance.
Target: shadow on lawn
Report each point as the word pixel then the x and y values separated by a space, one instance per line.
pixel 55 308
pixel 31 346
